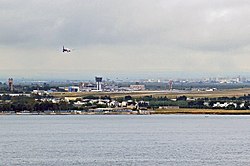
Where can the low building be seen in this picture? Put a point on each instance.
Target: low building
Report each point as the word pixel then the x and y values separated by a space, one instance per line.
pixel 72 98
pixel 169 107
pixel 137 87
pixel 73 89
pixel 40 92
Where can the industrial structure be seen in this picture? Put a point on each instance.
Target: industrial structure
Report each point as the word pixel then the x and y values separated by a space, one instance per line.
pixel 10 83
pixel 170 85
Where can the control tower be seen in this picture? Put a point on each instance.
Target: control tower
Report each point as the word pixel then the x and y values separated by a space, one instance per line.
pixel 98 83
pixel 10 82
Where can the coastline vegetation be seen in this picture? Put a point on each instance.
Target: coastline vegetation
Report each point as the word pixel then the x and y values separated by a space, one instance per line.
pixel 156 104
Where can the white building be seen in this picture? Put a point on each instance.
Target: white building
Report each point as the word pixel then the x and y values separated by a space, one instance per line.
pixel 137 87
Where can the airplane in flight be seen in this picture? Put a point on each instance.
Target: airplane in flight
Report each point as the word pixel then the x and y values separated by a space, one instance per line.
pixel 66 49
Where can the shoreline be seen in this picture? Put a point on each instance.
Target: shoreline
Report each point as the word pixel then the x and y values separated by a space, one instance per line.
pixel 146 112
pixel 202 111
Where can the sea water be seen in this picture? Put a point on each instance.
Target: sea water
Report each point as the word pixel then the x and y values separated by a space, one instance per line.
pixel 124 140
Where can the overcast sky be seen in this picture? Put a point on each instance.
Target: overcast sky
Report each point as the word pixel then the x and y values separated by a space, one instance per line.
pixel 124 37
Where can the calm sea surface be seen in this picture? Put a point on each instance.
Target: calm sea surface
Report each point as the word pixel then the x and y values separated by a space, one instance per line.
pixel 124 140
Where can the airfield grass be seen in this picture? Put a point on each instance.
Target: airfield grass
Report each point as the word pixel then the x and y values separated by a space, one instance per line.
pixel 169 94
pixel 191 94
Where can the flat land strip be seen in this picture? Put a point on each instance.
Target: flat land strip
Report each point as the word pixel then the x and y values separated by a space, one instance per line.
pixel 169 94
pixel 201 111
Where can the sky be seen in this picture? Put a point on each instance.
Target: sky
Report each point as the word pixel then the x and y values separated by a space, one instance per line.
pixel 124 38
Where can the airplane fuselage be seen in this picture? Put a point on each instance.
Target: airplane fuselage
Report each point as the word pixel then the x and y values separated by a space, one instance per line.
pixel 66 49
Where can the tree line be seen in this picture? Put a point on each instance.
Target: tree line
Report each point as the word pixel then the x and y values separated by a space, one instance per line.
pixel 34 102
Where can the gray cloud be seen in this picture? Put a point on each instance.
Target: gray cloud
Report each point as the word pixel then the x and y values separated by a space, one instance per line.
pixel 155 35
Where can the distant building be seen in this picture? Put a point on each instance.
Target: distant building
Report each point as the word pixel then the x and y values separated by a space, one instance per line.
pixel 170 83
pixel 137 87
pixel 40 92
pixel 72 98
pixel 87 87
pixel 169 107
pixel 15 94
pixel 73 89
